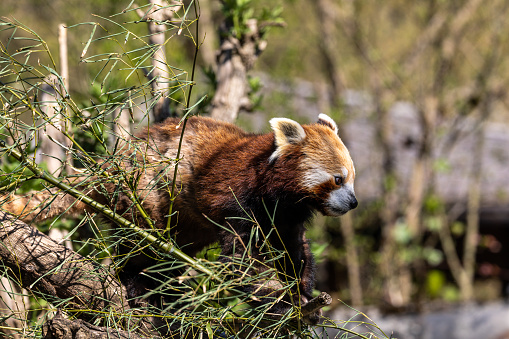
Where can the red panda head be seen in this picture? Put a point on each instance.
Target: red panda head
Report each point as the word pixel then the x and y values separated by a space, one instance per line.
pixel 325 168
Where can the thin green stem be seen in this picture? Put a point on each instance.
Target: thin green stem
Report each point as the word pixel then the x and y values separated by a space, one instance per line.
pixel 130 193
pixel 157 242
pixel 186 117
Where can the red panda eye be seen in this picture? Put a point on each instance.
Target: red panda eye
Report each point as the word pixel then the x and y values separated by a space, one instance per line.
pixel 338 179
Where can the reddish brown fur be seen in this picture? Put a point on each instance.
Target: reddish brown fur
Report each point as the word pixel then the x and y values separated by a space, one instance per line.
pixel 222 166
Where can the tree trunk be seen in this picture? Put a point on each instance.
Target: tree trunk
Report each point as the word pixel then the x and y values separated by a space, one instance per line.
pixel 208 38
pixel 236 57
pixel 327 20
pixel 50 151
pixel 156 17
pixel 472 229
pixel 352 260
pixel 231 83
pixel 64 73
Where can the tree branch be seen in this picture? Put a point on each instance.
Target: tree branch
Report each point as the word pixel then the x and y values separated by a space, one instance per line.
pixel 41 265
pixel 236 57
pixel 61 328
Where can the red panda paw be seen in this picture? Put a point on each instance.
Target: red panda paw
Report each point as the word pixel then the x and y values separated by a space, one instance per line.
pixel 308 318
pixel 312 318
pixel 312 310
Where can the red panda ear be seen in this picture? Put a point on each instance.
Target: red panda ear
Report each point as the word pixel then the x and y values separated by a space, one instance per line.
pixel 324 119
pixel 287 131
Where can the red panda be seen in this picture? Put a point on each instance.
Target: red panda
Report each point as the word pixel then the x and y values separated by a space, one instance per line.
pixel 224 173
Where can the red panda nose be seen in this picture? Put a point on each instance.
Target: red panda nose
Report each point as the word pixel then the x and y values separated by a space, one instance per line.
pixel 353 203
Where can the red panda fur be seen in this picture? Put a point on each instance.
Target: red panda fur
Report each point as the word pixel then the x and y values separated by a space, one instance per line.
pixel 225 172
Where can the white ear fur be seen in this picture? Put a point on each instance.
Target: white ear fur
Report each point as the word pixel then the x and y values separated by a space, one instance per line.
pixel 286 132
pixel 324 119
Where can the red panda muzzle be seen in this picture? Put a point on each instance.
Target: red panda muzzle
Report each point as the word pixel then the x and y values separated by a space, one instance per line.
pixel 341 201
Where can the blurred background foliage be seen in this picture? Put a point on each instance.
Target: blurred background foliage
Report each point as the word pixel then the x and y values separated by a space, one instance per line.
pixel 426 216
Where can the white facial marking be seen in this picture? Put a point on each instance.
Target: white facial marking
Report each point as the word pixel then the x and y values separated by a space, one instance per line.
pixel 315 177
pixel 344 172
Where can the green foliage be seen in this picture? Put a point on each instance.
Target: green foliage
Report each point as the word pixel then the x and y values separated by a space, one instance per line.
pixel 318 251
pixel 433 224
pixel 432 256
pixel 435 282
pixel 458 228
pixel 442 166
pixel 200 296
pixel 238 12
pixel 433 204
pixel 402 233
pixel 255 85
pixel 22 180
pixel 390 182
pixel 273 16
